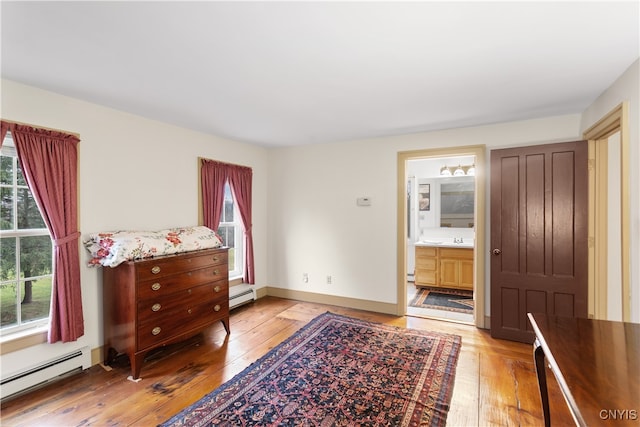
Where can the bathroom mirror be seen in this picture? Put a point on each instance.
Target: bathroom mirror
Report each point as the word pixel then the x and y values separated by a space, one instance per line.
pixel 457 202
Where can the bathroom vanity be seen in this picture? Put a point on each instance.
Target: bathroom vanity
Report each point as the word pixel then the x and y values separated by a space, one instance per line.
pixel 444 265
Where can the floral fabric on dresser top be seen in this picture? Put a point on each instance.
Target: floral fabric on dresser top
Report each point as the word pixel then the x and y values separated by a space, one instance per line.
pixel 112 248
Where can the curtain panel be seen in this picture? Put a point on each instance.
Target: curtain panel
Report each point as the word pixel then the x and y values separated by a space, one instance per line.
pixel 49 162
pixel 214 175
pixel 240 179
pixel 4 127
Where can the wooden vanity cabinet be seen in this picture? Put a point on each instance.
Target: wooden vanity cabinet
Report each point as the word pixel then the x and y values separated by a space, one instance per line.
pixel 456 268
pixel 158 301
pixel 426 272
pixel 444 267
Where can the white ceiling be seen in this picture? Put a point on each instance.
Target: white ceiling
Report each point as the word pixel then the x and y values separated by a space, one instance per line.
pixel 288 73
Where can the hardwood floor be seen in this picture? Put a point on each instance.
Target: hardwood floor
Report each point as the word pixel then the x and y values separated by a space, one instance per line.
pixel 495 379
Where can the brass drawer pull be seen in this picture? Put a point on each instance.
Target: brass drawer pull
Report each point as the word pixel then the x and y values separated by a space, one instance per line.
pixel 156 286
pixel 156 330
pixel 189 291
pixel 156 307
pixel 217 289
pixel 215 258
pixel 189 311
pixel 155 269
pixel 217 307
pixel 216 272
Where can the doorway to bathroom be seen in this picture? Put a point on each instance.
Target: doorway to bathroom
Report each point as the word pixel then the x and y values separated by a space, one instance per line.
pixel 442 207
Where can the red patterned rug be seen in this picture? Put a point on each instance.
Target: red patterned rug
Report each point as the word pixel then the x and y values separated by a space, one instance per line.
pixel 338 371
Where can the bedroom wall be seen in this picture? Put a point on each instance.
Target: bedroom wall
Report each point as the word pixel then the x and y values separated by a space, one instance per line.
pixel 135 173
pixel 626 88
pixel 315 226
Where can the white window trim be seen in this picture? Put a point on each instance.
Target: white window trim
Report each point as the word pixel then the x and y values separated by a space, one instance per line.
pixel 238 272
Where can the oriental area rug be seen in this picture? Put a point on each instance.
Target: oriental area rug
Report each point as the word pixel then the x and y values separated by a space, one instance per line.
pixel 460 301
pixel 338 371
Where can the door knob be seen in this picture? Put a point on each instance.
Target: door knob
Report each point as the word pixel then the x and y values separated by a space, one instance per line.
pixel 497 251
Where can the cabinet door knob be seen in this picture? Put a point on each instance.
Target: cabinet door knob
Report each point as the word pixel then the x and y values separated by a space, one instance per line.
pixel 156 286
pixel 156 307
pixel 497 251
pixel 156 330
pixel 216 308
pixel 155 269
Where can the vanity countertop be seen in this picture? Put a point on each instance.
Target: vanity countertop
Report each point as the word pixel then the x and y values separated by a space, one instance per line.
pixel 446 243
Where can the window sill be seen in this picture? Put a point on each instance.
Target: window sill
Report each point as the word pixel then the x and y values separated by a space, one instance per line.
pixel 235 280
pixel 23 339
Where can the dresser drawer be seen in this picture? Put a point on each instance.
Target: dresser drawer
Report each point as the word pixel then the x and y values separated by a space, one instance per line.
pixel 166 285
pixel 153 308
pixel 180 321
pixel 170 265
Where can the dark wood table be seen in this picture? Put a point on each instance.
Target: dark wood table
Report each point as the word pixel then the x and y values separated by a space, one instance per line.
pixel 597 365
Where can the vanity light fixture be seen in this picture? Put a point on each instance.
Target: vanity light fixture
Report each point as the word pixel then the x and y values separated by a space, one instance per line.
pixel 445 171
pixel 468 170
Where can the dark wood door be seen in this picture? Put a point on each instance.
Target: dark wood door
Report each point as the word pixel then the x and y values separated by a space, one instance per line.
pixel 538 235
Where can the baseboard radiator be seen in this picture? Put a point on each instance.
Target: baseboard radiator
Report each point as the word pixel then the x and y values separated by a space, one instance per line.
pixel 241 294
pixel 48 371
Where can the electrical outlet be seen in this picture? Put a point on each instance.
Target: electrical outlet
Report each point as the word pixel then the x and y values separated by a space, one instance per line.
pixel 328 280
pixel 305 278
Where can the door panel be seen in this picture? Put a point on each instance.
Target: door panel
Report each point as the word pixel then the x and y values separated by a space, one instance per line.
pixel 538 235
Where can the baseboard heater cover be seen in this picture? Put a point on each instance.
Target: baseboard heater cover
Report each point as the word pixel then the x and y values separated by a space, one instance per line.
pixel 45 372
pixel 241 294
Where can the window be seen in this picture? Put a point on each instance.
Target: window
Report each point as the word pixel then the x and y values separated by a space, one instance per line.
pixel 232 231
pixel 26 250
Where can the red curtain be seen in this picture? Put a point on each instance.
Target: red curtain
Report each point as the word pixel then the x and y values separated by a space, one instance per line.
pixel 4 127
pixel 49 161
pixel 240 179
pixel 214 175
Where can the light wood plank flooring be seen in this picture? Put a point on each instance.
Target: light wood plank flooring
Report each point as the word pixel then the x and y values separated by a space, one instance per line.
pixel 495 380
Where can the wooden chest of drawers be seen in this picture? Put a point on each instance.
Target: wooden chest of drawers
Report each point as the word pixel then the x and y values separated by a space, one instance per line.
pixel 158 301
